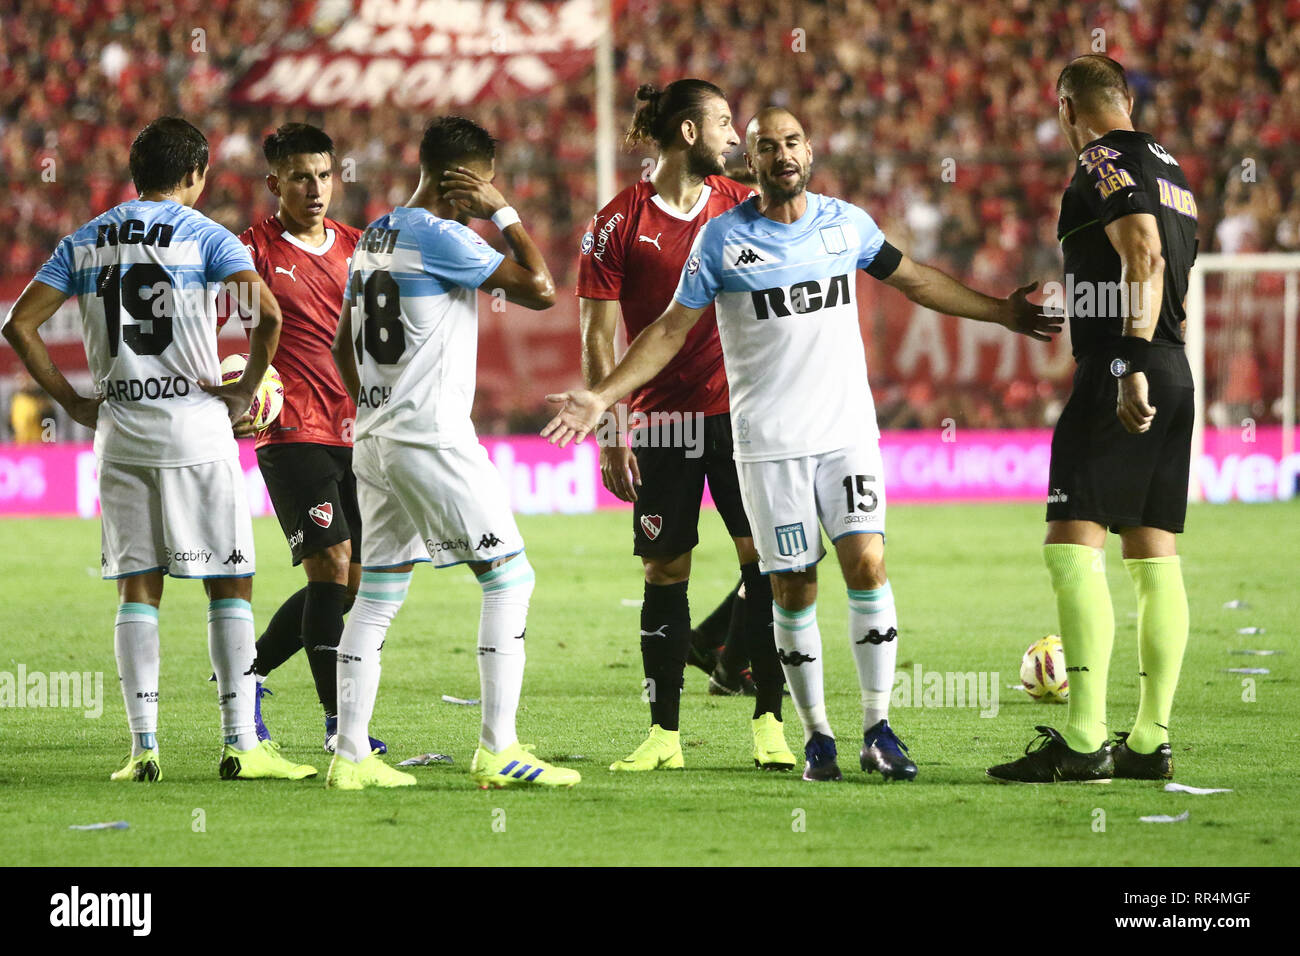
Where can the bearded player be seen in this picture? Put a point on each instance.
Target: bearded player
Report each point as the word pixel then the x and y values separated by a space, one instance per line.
pixel 780 268
pixel 631 261
pixel 306 454
pixel 1121 452
pixel 407 347
pixel 146 276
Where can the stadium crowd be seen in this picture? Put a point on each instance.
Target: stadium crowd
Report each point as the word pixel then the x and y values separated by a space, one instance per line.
pixel 938 116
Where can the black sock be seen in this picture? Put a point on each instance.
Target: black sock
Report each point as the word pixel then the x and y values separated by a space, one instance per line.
pixel 283 636
pixel 735 653
pixel 769 679
pixel 714 629
pixel 665 639
pixel 322 626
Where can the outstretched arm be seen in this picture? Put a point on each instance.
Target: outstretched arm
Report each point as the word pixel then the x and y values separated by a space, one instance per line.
pixel 927 286
pixel 645 358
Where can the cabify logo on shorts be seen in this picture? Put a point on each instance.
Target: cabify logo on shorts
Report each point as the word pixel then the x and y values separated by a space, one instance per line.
pixel 451 544
pixel 25 688
pixel 652 430
pixel 790 539
pixel 199 555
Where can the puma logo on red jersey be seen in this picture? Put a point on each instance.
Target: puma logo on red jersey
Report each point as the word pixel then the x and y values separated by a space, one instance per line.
pixel 288 272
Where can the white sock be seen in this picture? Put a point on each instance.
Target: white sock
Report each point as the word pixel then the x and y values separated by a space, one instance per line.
pixel 873 635
pixel 799 645
pixel 506 590
pixel 232 647
pixel 378 599
pixel 135 644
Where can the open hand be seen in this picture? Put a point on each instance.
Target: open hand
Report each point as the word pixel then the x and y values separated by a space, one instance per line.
pixel 472 192
pixel 580 412
pixel 1036 321
pixel 236 396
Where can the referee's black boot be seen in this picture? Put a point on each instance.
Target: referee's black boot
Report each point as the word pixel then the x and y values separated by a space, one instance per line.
pixel 1052 761
pixel 1130 765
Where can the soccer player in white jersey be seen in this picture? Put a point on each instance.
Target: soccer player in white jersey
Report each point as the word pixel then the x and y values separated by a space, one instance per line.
pixel 407 348
pixel 146 275
pixel 780 268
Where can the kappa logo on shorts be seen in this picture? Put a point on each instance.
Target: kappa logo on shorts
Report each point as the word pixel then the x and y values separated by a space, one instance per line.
pixel 790 539
pixel 322 514
pixel 488 540
pixel 652 525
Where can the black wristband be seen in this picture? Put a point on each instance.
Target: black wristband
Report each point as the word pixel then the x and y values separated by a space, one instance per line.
pixel 1130 355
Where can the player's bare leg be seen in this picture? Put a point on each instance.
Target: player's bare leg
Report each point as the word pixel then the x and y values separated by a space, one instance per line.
pixel 873 637
pixel 135 645
pixel 1151 557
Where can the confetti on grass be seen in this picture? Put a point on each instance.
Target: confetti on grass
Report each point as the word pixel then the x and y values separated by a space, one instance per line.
pixel 425 759
pixel 462 701
pixel 115 825
pixel 1165 818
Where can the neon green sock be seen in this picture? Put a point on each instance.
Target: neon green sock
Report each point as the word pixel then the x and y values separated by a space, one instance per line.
pixel 1162 638
pixel 1087 633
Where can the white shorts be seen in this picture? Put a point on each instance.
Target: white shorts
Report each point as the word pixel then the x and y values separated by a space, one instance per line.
pixel 784 499
pixel 445 505
pixel 189 521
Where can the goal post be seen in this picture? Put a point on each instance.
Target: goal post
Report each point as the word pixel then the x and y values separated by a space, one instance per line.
pixel 1242 312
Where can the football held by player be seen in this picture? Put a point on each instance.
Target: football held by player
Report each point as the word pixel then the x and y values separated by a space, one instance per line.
pixel 171 487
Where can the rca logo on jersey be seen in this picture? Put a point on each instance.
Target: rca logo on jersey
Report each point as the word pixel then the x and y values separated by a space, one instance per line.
pixel 322 514
pixel 132 233
pixel 602 239
pixel 802 297
pixel 135 389
pixel 652 525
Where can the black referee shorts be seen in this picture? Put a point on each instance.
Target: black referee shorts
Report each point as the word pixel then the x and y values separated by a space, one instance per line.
pixel 1100 472
pixel 315 495
pixel 666 514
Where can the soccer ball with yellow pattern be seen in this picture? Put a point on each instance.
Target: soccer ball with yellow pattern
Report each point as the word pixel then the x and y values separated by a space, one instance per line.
pixel 269 398
pixel 1042 670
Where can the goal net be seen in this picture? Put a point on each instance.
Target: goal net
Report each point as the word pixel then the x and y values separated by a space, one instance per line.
pixel 1241 343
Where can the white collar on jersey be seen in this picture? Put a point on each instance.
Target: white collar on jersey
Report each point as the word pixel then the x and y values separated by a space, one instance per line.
pixel 320 250
pixel 695 210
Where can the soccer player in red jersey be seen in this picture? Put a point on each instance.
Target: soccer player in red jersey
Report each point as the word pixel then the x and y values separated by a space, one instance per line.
pixel 631 261
pixel 306 454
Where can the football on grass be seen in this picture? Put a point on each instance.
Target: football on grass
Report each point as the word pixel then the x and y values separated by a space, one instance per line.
pixel 1042 670
pixel 269 398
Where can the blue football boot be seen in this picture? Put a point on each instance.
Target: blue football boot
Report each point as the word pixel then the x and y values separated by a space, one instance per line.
pixel 883 751
pixel 820 755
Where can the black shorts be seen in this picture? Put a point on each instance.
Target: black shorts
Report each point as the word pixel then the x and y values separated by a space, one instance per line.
pixel 315 496
pixel 666 515
pixel 1100 472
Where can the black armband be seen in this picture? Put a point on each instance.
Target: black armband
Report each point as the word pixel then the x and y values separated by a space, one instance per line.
pixel 1130 355
pixel 886 261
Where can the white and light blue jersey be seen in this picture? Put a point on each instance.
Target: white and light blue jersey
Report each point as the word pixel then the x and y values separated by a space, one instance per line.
pixel 146 277
pixel 414 285
pixel 788 321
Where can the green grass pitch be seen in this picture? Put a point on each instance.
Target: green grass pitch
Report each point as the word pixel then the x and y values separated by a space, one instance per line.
pixel 972 594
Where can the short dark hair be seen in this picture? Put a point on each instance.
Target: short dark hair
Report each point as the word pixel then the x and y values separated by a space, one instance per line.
pixel 453 139
pixel 164 152
pixel 659 120
pixel 1094 80
pixel 292 139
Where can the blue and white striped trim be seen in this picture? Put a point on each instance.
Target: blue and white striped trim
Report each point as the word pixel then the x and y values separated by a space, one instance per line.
pixel 380 586
pixel 506 771
pixel 794 620
pixel 230 609
pixel 516 572
pixel 131 612
pixel 867 602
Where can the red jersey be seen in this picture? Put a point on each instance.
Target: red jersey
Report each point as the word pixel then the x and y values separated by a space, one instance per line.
pixel 634 252
pixel 308 282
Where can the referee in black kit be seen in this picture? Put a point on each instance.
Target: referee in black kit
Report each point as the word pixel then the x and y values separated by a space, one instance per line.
pixel 1121 451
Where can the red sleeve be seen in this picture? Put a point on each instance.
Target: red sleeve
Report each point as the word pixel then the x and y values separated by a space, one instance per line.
pixel 600 258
